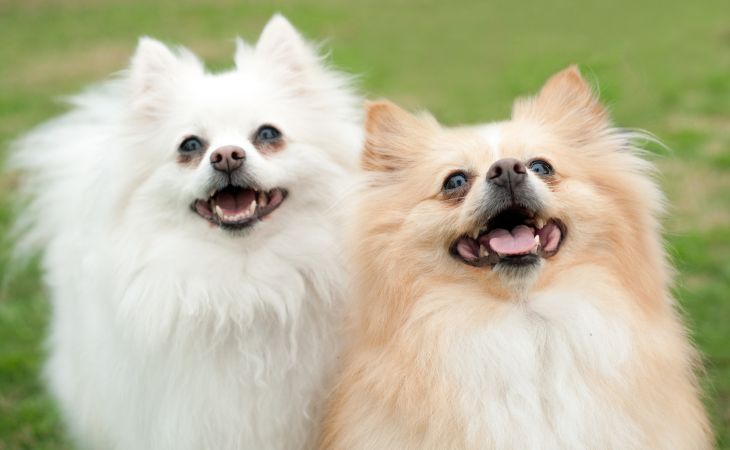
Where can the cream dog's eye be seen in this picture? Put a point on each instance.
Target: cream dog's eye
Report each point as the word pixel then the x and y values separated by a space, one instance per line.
pixel 541 168
pixel 455 181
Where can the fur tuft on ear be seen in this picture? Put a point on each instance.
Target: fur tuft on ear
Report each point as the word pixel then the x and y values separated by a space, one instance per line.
pixel 566 101
pixel 281 43
pixel 154 68
pixel 243 52
pixel 392 136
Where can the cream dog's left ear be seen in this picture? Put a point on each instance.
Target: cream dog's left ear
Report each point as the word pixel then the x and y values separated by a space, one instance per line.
pixel 567 102
pixel 393 136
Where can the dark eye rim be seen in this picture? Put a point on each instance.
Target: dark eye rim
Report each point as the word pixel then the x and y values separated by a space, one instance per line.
pixel 203 144
pixel 456 189
pixel 279 134
pixel 550 169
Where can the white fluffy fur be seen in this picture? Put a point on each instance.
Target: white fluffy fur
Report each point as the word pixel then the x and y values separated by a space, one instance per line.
pixel 168 333
pixel 526 376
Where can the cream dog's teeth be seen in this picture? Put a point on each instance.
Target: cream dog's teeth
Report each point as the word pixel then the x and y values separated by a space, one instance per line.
pixel 219 211
pixel 482 251
pixel 536 246
pixel 540 222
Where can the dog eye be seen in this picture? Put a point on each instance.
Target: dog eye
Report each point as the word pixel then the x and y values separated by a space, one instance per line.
pixel 455 181
pixel 541 168
pixel 191 144
pixel 267 133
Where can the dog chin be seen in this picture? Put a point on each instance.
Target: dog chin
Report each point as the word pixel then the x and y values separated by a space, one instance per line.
pixel 521 274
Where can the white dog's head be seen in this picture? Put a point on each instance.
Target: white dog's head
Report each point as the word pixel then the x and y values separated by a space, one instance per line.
pixel 183 190
pixel 234 150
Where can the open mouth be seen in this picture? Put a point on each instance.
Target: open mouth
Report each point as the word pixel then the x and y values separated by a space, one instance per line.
pixel 236 207
pixel 516 236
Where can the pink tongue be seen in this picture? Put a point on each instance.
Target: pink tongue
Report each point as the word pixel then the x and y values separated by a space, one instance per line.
pixel 234 201
pixel 520 241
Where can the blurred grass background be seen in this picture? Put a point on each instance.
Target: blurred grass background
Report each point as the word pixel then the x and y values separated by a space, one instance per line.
pixel 661 66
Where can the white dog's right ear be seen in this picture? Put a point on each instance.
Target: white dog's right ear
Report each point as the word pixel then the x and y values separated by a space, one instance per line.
pixel 153 64
pixel 281 43
pixel 155 68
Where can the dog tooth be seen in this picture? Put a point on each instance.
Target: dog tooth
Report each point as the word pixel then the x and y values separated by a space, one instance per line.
pixel 482 251
pixel 251 209
pixel 219 211
pixel 263 199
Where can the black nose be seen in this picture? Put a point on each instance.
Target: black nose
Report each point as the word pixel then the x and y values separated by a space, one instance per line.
pixel 227 158
pixel 507 173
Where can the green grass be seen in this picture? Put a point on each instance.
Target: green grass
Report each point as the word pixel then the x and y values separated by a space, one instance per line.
pixel 661 66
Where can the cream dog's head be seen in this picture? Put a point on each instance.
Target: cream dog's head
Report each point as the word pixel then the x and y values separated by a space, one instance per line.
pixel 506 203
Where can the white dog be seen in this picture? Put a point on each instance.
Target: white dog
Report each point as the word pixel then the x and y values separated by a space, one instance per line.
pixel 191 243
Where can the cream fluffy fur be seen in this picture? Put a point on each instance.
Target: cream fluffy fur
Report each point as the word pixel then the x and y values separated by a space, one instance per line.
pixel 167 332
pixel 586 351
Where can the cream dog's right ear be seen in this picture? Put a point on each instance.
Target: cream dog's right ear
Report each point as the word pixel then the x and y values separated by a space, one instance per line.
pixel 393 136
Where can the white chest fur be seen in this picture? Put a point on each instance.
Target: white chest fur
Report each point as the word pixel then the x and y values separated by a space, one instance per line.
pixel 537 375
pixel 175 344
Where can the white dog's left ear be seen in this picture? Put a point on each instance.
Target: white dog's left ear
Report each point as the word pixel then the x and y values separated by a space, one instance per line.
pixel 281 43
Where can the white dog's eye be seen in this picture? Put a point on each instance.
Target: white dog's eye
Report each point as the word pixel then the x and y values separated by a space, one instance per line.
pixel 267 133
pixel 191 144
pixel 541 168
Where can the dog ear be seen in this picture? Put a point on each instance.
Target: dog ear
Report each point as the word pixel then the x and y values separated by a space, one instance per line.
pixel 392 136
pixel 154 68
pixel 281 43
pixel 567 102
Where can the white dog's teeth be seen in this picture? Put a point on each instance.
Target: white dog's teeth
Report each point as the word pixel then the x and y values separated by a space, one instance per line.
pixel 536 245
pixel 263 199
pixel 251 209
pixel 219 211
pixel 540 222
pixel 482 251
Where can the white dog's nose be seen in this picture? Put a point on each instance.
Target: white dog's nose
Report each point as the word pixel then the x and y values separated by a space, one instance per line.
pixel 227 158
